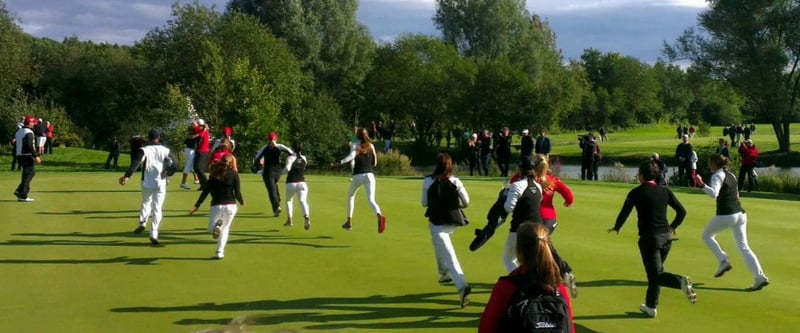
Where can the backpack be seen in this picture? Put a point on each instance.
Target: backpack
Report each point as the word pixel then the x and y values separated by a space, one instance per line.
pixel 724 131
pixel 536 309
pixel 444 206
pixel 170 165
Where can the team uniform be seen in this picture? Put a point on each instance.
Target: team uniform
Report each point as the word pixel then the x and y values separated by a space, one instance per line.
pixel 723 187
pixel 363 175
pixel 25 153
pixel 272 172
pixel 523 200
pixel 225 193
pixel 295 170
pixel 154 186
pixel 201 154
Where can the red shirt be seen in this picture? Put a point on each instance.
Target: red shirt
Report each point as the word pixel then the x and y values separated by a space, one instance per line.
pixel 203 145
pixel 547 210
pixel 50 129
pixel 749 154
pixel 501 295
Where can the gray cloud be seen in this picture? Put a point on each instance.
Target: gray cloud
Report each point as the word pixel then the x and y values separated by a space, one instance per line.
pixel 636 28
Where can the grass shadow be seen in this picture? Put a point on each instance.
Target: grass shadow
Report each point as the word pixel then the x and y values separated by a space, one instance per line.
pixel 371 312
pixel 612 283
pixel 701 286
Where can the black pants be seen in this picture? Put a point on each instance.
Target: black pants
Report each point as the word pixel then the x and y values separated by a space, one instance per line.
pixel 48 146
pixel 473 164
pixel 13 162
pixel 199 166
pixel 684 171
pixel 502 164
pixel 26 163
pixel 746 171
pixel 112 156
pixel 271 176
pixel 588 170
pixel 654 251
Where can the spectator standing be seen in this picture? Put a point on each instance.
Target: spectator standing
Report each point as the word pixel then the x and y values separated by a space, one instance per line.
pixel 661 178
pixel 443 196
pixel 503 151
pixel 113 153
pixel 691 131
pixel 14 144
pixel 590 154
pixel 739 133
pixel 732 135
pixel 747 132
pixel 40 130
pixel 136 143
pixel 749 153
pixel 27 155
pixel 473 153
pixel 683 153
pixel 679 131
pixel 50 133
pixel 189 145
pixel 603 134
pixel 752 129
pixel 526 144
pixel 693 166
pixel 154 183
pixel 730 215
pixel 543 144
pixel 485 151
pixel 722 148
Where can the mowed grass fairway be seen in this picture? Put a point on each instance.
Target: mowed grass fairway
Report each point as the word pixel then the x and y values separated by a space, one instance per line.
pixel 69 262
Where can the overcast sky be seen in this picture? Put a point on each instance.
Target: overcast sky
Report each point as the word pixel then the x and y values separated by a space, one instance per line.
pixel 630 27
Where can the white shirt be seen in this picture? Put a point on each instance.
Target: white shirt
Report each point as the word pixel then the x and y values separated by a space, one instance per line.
pixel 153 157
pixel 714 185
pixel 352 155
pixel 515 192
pixel 290 162
pixel 462 192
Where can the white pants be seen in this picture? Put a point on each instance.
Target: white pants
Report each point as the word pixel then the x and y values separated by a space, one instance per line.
pixel 738 223
pixel 226 213
pixel 189 166
pixel 446 260
pixel 510 253
pixel 152 202
pixel 368 181
pixel 301 190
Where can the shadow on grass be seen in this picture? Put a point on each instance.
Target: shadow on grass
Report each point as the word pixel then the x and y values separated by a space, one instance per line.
pixel 701 286
pixel 583 329
pixel 116 260
pixel 405 312
pixel 626 315
pixel 612 283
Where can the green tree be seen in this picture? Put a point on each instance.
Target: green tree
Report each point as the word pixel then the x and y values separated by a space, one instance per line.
pixel 15 67
pixel 753 45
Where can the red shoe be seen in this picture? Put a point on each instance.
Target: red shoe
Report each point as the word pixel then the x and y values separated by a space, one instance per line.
pixel 381 224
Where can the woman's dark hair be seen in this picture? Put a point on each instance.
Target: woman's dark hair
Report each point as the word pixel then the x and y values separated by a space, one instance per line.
pixel 363 136
pixel 298 147
pixel 649 170
pixel 444 167
pixel 719 160
pixel 533 251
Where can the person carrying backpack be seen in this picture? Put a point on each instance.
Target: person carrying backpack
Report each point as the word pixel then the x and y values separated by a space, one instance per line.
pixel 444 196
pixel 532 298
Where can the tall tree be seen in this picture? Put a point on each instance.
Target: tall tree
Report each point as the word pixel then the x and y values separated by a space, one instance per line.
pixel 483 29
pixel 755 46
pixel 14 55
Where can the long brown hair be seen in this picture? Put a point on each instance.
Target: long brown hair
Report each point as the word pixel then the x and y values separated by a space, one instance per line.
pixel 366 142
pixel 217 170
pixel 444 167
pixel 533 251
pixel 719 160
pixel 540 169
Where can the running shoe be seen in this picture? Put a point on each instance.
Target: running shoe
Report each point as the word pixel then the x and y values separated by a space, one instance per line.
pixel 724 266
pixel 688 289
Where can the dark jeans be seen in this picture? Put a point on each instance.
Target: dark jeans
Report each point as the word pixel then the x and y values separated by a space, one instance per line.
pixel 48 146
pixel 485 163
pixel 502 164
pixel 13 162
pixel 654 251
pixel 112 156
pixel 747 171
pixel 271 176
pixel 26 163
pixel 684 172
pixel 588 169
pixel 473 164
pixel 199 166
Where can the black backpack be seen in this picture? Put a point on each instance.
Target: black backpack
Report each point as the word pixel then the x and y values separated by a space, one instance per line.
pixel 536 309
pixel 444 205
pixel 170 165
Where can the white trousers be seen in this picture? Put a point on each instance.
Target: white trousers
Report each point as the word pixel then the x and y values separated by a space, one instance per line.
pixel 368 181
pixel 446 260
pixel 301 190
pixel 510 253
pixel 738 223
pixel 189 166
pixel 226 213
pixel 152 202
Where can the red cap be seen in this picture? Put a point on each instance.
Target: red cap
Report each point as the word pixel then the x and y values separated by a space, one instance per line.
pixel 30 120
pixel 227 131
pixel 272 136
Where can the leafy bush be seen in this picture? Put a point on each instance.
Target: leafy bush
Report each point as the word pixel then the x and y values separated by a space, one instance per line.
pixel 394 163
pixel 617 174
pixel 775 180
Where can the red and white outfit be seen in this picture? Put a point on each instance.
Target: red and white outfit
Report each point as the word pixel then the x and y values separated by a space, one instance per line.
pixel 296 184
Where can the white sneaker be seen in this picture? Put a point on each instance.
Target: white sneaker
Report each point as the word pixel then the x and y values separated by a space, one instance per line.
pixel 196 182
pixel 724 266
pixel 28 199
pixel 185 187
pixel 217 229
pixel 572 284
pixel 650 312
pixel 760 283
pixel 688 289
pixel 220 255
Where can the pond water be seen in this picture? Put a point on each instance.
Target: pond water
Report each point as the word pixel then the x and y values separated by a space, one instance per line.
pixel 574 171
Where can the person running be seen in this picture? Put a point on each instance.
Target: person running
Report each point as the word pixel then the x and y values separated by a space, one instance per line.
pixel 443 196
pixel 27 156
pixel 295 171
pixel 227 132
pixel 269 157
pixel 363 175
pixel 225 147
pixel 224 187
pixel 154 183
pixel 655 234
pixel 538 271
pixel 201 152
pixel 723 187
pixel 523 201
pixel 189 144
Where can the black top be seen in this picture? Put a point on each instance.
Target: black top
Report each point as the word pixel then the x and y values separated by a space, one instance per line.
pixel 728 197
pixel 526 146
pixel 503 145
pixel 364 163
pixel 543 145
pixel 527 208
pixel 684 150
pixel 223 191
pixel 485 145
pixel 589 149
pixel 272 157
pixel 651 203
pixel 298 171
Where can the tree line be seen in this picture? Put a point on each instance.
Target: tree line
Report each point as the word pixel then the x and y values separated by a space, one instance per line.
pixel 310 71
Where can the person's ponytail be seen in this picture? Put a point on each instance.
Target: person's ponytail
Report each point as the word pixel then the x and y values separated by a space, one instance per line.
pixel 533 251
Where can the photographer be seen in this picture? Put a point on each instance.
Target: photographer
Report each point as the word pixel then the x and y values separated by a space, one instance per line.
pixel 590 156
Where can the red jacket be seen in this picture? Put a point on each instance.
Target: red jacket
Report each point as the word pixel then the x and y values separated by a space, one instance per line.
pixel 501 295
pixel 749 154
pixel 547 210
